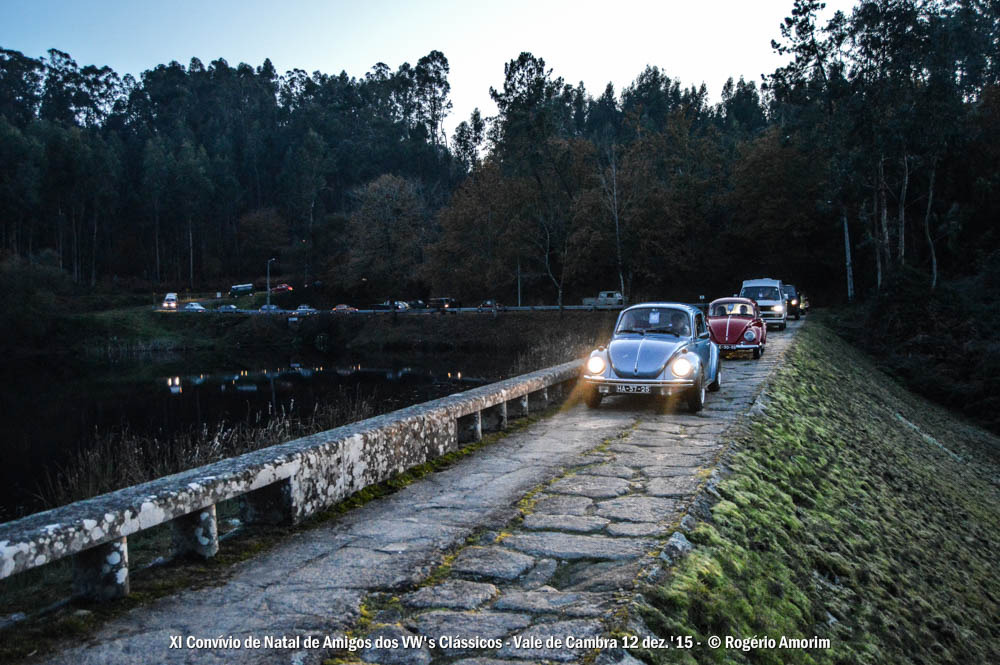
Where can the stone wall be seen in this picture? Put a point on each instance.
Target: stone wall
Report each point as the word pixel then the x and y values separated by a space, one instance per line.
pixel 280 484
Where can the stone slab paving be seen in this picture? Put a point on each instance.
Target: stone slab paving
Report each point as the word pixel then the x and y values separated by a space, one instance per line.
pixel 618 477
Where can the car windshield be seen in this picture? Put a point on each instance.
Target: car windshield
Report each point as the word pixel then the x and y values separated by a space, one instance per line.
pixel 761 293
pixel 731 309
pixel 656 320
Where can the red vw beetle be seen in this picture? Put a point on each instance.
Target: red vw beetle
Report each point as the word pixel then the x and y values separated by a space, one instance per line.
pixel 735 325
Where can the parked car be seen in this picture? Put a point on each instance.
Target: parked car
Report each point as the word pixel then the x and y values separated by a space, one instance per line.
pixel 735 325
pixel 344 309
pixel 169 301
pixel 417 304
pixel 488 305
pixel 442 304
pixel 270 309
pixel 770 298
pixel 657 349
pixel 793 301
pixel 226 308
pixel 237 290
pixel 305 309
pixel 605 299
pixel 282 288
pixel 194 307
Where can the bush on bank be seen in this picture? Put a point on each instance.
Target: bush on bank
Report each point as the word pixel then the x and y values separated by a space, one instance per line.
pixel 847 515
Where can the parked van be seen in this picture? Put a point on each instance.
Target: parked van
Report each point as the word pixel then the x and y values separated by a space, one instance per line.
pixel 770 296
pixel 237 290
pixel 169 301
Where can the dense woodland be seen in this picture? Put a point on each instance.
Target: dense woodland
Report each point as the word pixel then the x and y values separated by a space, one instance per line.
pixel 876 147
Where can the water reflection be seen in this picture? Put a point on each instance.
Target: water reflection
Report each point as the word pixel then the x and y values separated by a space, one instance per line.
pixel 288 377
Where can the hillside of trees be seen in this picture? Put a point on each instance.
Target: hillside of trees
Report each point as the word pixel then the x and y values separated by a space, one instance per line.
pixel 875 149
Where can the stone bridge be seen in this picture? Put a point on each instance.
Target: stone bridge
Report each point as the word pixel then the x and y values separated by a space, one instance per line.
pixel 543 534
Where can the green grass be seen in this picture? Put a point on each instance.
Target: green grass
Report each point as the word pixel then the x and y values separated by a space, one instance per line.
pixel 839 521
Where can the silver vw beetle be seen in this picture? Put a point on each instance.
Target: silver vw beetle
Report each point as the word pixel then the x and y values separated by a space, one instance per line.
pixel 657 349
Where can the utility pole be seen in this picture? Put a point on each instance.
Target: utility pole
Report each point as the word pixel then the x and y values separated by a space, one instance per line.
pixel 269 283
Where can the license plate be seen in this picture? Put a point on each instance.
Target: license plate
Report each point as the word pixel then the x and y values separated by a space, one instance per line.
pixel 727 347
pixel 632 389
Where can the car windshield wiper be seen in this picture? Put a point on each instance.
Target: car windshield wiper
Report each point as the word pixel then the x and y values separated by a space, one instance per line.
pixel 664 330
pixel 631 330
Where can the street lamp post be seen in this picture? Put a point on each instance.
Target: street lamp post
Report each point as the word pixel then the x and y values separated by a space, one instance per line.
pixel 269 283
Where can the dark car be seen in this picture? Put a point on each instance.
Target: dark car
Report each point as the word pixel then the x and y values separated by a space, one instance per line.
pixel 793 302
pixel 416 304
pixel 488 305
pixel 443 304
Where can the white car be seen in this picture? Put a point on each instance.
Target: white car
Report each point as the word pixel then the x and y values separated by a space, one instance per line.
pixel 169 301
pixel 194 307
pixel 769 294
pixel 269 309
pixel 305 309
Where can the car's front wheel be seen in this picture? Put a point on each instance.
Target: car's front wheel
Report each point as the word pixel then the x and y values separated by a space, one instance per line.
pixel 696 395
pixel 592 398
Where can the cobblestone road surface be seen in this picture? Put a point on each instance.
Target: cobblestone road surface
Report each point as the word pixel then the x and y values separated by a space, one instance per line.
pixel 616 482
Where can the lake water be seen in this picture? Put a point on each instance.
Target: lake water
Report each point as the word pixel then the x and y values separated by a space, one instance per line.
pixel 53 411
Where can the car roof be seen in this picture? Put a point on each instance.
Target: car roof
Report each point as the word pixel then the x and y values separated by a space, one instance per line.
pixel 676 305
pixel 738 299
pixel 766 281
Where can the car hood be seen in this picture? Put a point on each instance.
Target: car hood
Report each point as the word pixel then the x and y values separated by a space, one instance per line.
pixel 728 329
pixel 642 357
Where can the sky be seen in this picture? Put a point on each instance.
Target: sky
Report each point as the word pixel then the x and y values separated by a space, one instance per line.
pixel 695 41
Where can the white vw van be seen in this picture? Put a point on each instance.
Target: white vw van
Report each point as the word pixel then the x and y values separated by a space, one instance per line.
pixel 770 297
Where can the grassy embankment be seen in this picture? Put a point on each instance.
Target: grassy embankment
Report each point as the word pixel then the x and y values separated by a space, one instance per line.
pixel 854 511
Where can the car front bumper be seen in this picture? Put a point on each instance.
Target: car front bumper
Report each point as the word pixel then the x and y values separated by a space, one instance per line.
pixel 738 347
pixel 616 386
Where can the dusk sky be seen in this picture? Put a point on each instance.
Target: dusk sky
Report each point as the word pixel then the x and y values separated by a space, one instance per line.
pixel 593 42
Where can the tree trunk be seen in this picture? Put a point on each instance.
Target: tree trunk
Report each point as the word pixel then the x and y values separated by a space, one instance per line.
pixel 847 255
pixel 883 215
pixel 93 252
pixel 190 255
pixel 902 209
pixel 156 239
pixel 927 227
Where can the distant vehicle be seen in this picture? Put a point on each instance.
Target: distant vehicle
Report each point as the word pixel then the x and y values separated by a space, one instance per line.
pixel 605 299
pixel 443 304
pixel 169 301
pixel 491 304
pixel 416 304
pixel 226 308
pixel 344 309
pixel 270 309
pixel 282 288
pixel 237 290
pixel 792 302
pixel 194 307
pixel 305 309
pixel 657 349
pixel 735 325
pixel 770 298
pixel 390 305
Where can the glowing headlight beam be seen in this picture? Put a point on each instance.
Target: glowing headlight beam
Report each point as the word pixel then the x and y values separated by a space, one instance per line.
pixel 681 367
pixel 595 365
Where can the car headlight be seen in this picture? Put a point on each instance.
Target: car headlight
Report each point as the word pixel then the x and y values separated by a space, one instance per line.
pixel 595 365
pixel 681 367
pixel 779 308
pixel 795 302
pixel 749 336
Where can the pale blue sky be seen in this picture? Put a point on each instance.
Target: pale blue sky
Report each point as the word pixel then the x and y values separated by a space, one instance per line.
pixel 596 42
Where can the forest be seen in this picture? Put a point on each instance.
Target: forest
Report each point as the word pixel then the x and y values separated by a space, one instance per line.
pixel 875 150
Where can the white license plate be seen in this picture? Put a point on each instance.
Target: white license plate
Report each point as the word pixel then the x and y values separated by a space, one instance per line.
pixel 727 347
pixel 632 389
